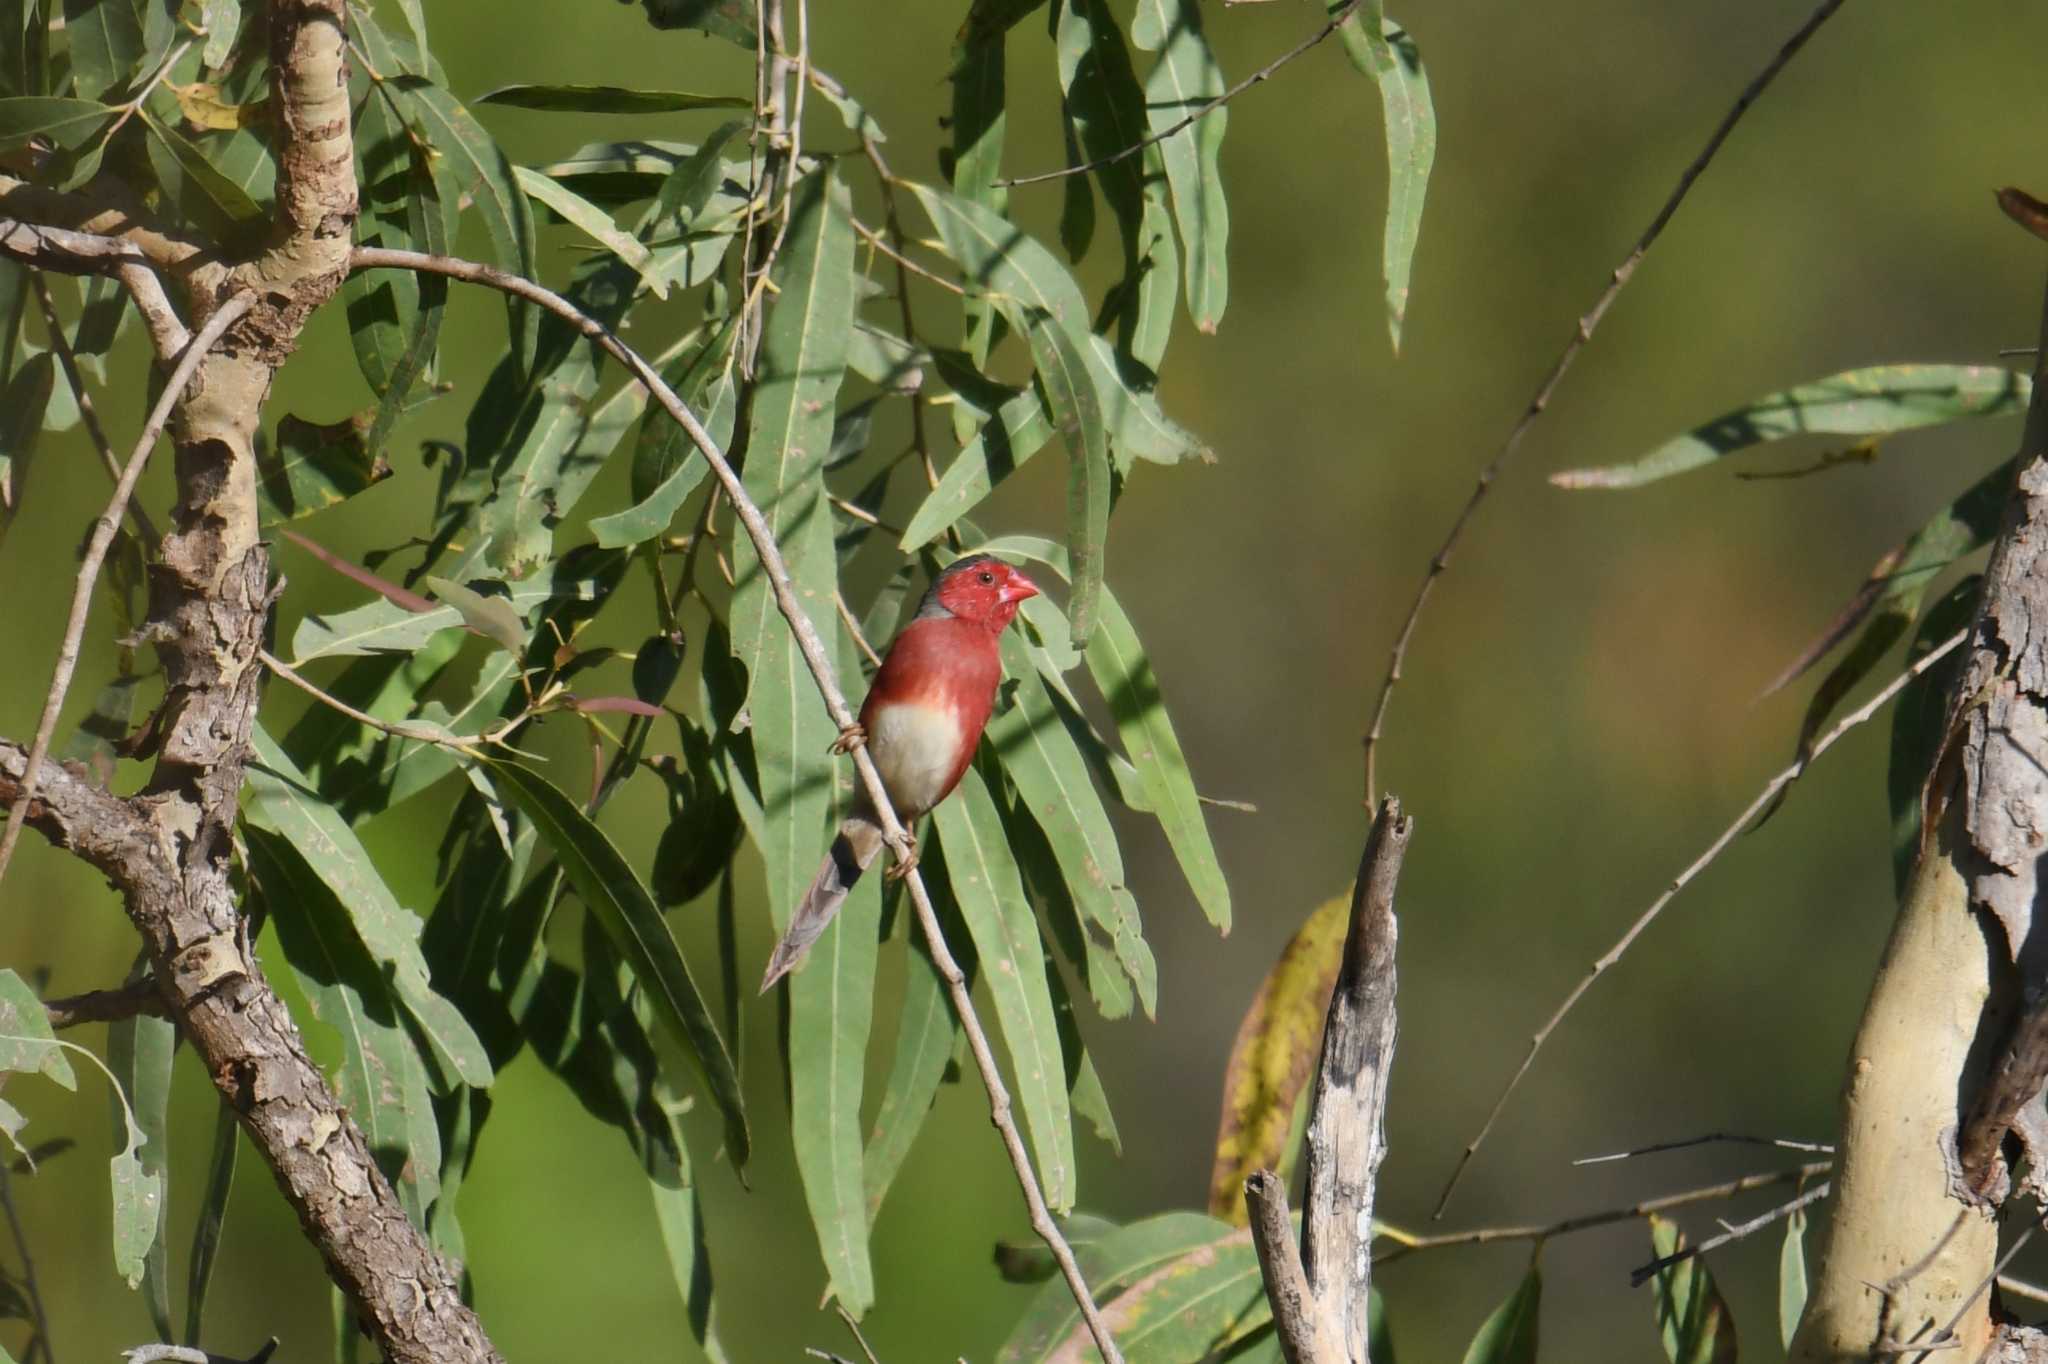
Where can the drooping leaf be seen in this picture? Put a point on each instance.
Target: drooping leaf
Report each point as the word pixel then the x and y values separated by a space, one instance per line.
pixel 1016 432
pixel 23 403
pixel 986 885
pixel 573 208
pixel 203 192
pixel 667 466
pixel 1123 672
pixel 1691 1315
pixel 831 1005
pixel 493 617
pixel 607 99
pixel 926 1032
pixel 1077 415
pixel 1186 77
pixel 26 1042
pixel 703 827
pixel 139 1050
pixel 1274 1055
pixel 281 800
pixel 1858 402
pixel 315 467
pixel 383 1078
pixel 1792 1278
pixel 213 1211
pixel 1890 597
pixel 1386 52
pixel 408 201
pixel 681 1220
pixel 485 175
pixel 980 120
pixel 1508 1336
pixel 1117 1258
pixel 1919 723
pixel 607 884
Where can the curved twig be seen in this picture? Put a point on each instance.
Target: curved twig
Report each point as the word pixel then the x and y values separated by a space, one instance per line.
pixel 1581 334
pixel 96 553
pixel 818 659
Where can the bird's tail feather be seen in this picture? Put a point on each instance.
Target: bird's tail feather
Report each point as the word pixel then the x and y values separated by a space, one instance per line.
pixel 853 851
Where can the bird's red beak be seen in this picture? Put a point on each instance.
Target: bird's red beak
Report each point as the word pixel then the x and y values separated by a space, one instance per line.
pixel 1017 588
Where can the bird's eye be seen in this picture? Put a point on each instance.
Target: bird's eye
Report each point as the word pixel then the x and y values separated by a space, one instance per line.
pixel 988 579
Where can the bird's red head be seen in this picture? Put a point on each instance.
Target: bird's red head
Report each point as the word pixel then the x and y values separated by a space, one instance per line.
pixel 980 588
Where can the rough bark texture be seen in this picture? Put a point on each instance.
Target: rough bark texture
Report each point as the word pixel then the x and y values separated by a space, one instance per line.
pixel 1946 1055
pixel 1346 1130
pixel 168 848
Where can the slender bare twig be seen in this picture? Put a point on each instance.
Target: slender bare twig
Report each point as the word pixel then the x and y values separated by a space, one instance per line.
pixel 1945 1338
pixel 1405 1245
pixel 106 1006
pixel 397 729
pixel 1638 1277
pixel 862 514
pixel 2020 1288
pixel 1580 336
pixel 1708 1139
pixel 1770 792
pixel 96 553
pixel 39 1315
pixel 186 1354
pixel 1336 21
pixel 852 624
pixel 903 262
pixel 818 659
pixel 854 1327
pixel 67 360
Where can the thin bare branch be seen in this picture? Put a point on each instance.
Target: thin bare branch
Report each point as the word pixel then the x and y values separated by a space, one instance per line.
pixel 1638 1277
pixel 1307 1334
pixel 1336 21
pixel 817 657
pixel 67 360
pixel 1405 1245
pixel 1770 792
pixel 1708 1139
pixel 1580 336
pixel 397 729
pixel 96 553
pixel 107 1006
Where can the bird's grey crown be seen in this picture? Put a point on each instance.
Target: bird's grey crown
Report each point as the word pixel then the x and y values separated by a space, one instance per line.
pixel 931 606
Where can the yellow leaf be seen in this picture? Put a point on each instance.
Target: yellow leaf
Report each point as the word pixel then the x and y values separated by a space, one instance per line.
pixel 203 108
pixel 1274 1056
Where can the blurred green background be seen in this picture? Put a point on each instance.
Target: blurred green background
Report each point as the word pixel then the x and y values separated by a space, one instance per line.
pixel 1581 713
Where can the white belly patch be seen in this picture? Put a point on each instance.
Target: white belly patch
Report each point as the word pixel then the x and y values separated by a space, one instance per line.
pixel 914 747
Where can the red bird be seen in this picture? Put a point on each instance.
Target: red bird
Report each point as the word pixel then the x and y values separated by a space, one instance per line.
pixel 922 719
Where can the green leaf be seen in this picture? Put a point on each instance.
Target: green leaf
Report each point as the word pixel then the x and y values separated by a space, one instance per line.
pixel 1039 754
pixel 1186 77
pixel 394 316
pixel 1857 402
pixel 1890 597
pixel 607 884
pixel 1508 1336
pixel 138 1201
pixel 1001 258
pixel 1386 52
pixel 1017 431
pixel 703 828
pixel 26 1042
pixel 1792 1278
pixel 1106 108
pixel 608 99
pixel 979 123
pixel 383 1078
pixel 680 1218
pixel 579 211
pixel 1029 1261
pixel 1691 1315
pixel 315 467
pixel 1124 674
pixel 1122 1256
pixel 485 176
pixel 493 617
pixel 1077 415
pixel 281 800
pixel 139 1051
pixel 69 123
pixel 222 20
pixel 667 466
pixel 986 885
pixel 384 627
pixel 831 1007
pixel 203 193
pixel 1920 723
pixel 926 1036
pixel 525 499
pixel 213 1211
pixel 106 44
pixel 691 186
